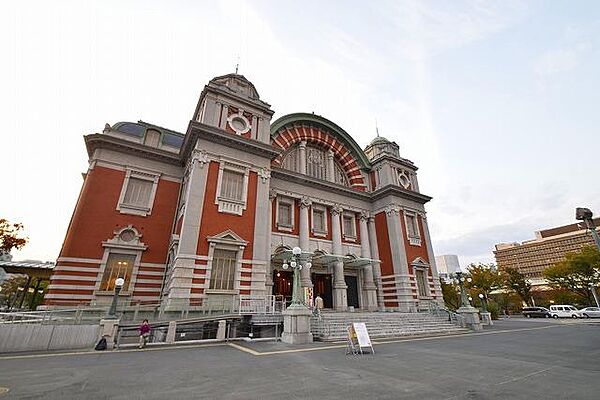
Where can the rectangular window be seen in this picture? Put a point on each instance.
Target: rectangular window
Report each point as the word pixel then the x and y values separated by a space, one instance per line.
pixel 232 185
pixel 285 214
pixel 411 226
pixel 349 226
pixel 138 192
pixel 222 276
pixel 319 220
pixel 117 266
pixel 421 282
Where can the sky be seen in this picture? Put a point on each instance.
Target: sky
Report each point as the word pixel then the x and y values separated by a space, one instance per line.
pixel 496 102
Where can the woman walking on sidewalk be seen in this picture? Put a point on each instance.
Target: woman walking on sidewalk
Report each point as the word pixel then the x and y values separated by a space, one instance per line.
pixel 144 333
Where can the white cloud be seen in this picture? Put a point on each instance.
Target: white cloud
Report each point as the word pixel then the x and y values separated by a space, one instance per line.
pixel 561 60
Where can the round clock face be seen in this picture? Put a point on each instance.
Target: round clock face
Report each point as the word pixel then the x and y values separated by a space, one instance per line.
pixel 239 123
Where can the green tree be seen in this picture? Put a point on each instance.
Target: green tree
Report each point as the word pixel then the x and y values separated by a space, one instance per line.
pixel 10 291
pixel 517 282
pixel 451 294
pixel 484 278
pixel 576 273
pixel 10 236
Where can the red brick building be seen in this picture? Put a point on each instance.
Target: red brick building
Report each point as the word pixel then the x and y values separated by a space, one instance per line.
pixel 208 214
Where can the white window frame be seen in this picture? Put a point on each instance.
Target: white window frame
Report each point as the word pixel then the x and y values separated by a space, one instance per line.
pixel 427 293
pixel 116 245
pixel 323 209
pixel 125 208
pixel 349 236
pixel 292 203
pixel 414 240
pixel 228 205
pixel 225 241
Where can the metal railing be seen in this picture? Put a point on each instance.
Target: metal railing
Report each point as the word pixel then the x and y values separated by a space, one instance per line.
pixel 438 311
pixel 248 304
pixel 74 316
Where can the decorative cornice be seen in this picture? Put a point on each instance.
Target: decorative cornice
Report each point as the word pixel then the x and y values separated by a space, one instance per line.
pixel 392 209
pixel 400 192
pixel 101 141
pixel 296 177
pixel 337 210
pixel 305 202
pixel 197 130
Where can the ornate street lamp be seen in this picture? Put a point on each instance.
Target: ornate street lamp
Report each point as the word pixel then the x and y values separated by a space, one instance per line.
pixel 463 295
pixel 483 302
pixel 295 262
pixel 112 311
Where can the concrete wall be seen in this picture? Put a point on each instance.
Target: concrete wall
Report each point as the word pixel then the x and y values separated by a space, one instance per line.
pixel 36 337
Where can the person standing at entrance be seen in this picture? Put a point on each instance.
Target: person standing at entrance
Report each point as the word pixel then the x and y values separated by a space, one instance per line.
pixel 318 305
pixel 144 333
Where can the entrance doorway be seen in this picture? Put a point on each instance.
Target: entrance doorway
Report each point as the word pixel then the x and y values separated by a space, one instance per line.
pixel 282 284
pixel 352 291
pixel 322 287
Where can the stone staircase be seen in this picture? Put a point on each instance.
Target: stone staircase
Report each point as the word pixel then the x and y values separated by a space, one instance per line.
pixel 333 326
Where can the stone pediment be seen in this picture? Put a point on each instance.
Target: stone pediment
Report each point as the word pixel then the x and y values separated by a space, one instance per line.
pixel 420 262
pixel 227 237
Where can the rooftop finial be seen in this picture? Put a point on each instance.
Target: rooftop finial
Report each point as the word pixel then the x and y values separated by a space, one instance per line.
pixel 237 65
pixel 376 127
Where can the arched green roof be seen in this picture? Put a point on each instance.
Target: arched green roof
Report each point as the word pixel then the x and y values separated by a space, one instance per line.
pixel 327 125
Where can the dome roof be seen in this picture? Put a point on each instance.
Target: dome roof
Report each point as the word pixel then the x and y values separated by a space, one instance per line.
pixel 379 140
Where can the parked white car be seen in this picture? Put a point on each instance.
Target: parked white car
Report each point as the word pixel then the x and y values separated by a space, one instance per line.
pixel 590 312
pixel 564 311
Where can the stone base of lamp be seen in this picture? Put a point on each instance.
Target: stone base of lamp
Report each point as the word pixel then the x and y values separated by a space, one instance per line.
pixel 486 318
pixel 296 325
pixel 108 329
pixel 470 316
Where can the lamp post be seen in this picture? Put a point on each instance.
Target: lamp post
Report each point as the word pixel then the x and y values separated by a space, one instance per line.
pixel 469 314
pixel 463 295
pixel 295 262
pixel 483 302
pixel 586 215
pixel 296 318
pixel 112 311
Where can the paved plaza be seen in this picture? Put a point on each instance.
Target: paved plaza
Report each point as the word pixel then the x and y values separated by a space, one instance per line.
pixel 515 359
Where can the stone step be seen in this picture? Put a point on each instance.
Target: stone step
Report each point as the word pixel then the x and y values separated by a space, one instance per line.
pixel 333 326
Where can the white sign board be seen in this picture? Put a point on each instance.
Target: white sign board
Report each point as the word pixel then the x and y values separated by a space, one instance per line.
pixel 362 335
pixel 358 338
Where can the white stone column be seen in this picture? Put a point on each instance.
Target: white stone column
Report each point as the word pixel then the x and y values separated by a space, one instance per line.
pixel 253 130
pixel 330 167
pixel 376 265
pixel 305 204
pixel 404 297
pixel 180 282
pixel 367 272
pixel 224 115
pixel 434 272
pixel 302 152
pixel 269 269
pixel 340 299
pixel 261 252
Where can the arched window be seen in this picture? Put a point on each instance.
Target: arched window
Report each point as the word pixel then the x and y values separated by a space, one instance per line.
pixel 316 163
pixel 340 176
pixel 292 160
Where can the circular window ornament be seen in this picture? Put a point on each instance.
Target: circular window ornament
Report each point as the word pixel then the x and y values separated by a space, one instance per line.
pixel 127 235
pixel 239 123
pixel 403 180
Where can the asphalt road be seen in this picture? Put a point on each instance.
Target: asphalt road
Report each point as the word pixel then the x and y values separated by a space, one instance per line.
pixel 516 359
